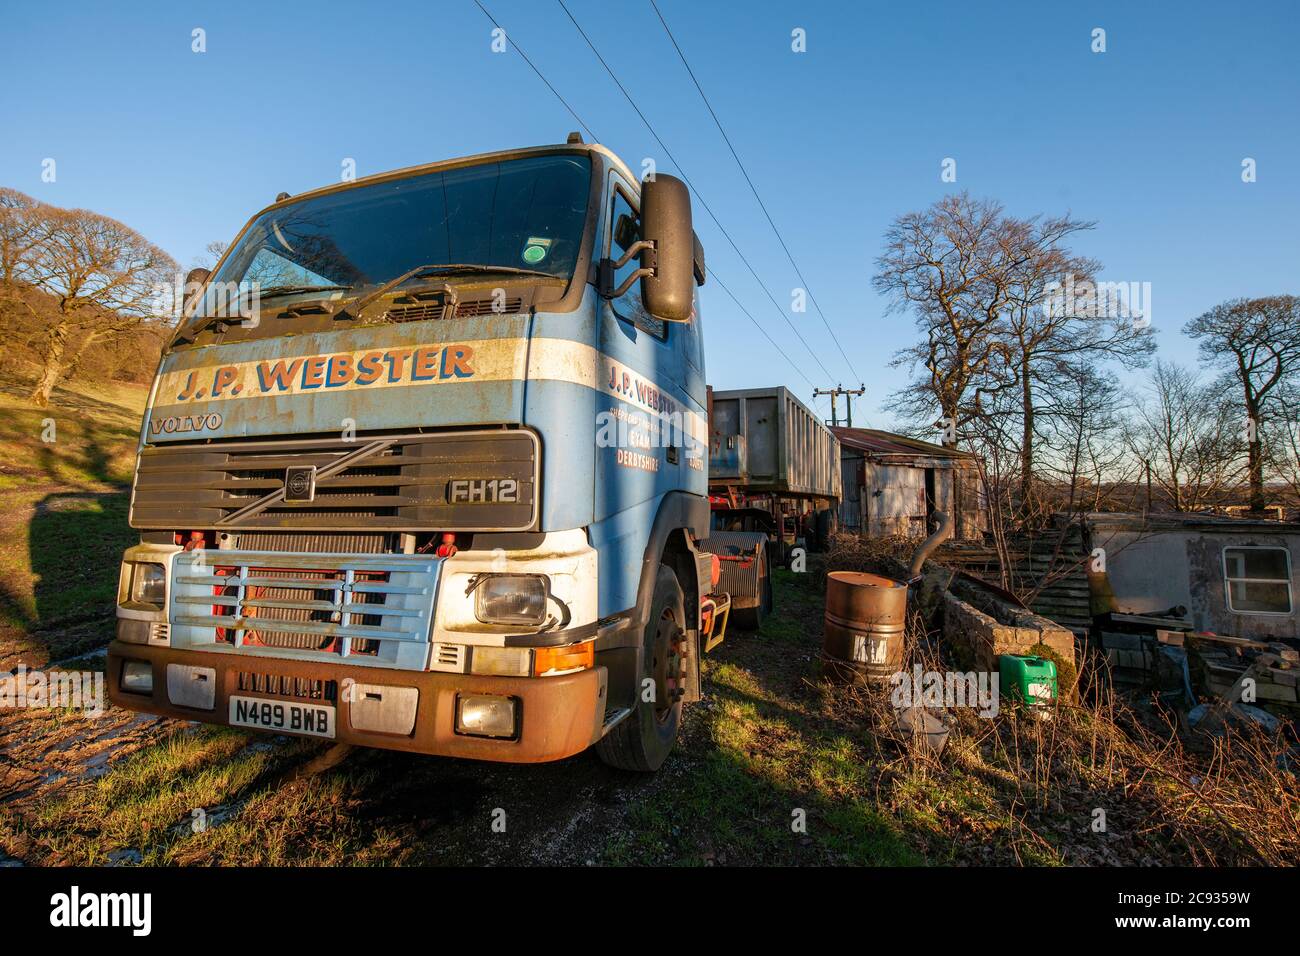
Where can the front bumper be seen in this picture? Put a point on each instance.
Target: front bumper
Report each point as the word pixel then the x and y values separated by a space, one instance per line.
pixel 558 716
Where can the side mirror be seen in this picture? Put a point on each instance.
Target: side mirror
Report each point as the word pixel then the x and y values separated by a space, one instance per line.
pixel 669 292
pixel 194 280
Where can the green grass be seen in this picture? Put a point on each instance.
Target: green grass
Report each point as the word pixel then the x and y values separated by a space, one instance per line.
pixel 146 806
pixel 87 435
pixel 769 779
pixel 63 513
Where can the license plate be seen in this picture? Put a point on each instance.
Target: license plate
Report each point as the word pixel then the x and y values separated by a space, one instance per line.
pixel 313 720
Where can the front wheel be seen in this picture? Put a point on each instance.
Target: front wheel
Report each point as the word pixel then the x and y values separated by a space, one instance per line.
pixel 645 737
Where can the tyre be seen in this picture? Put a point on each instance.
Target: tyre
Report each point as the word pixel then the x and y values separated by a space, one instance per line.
pixel 751 618
pixel 643 740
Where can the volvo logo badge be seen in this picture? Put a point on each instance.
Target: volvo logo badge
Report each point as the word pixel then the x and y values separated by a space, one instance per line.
pixel 300 483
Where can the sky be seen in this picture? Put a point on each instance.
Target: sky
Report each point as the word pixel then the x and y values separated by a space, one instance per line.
pixel 1146 138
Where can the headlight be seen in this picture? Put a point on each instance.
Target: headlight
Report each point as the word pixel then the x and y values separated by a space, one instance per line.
pixel 148 584
pixel 511 599
pixel 137 677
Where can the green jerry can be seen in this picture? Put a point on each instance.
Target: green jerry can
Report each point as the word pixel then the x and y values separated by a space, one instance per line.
pixel 1027 680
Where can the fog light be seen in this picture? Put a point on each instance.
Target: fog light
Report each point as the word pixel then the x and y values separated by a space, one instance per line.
pixel 511 599
pixel 148 584
pixel 485 716
pixel 137 677
pixel 501 661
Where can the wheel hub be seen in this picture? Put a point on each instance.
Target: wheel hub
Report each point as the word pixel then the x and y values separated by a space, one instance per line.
pixel 668 665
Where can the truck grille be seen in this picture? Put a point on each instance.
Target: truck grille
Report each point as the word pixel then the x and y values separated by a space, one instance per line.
pixel 317 543
pixel 272 612
pixel 404 486
pixel 369 609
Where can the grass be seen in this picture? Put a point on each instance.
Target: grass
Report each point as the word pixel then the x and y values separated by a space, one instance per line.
pixel 777 766
pixel 85 438
pixel 64 476
pixel 769 778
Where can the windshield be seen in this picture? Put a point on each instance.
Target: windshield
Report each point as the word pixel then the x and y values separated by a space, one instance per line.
pixel 521 214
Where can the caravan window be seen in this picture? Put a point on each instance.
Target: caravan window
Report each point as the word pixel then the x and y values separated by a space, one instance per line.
pixel 1258 580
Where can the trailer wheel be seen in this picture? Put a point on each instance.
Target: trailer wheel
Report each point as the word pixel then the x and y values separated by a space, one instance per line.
pixel 645 737
pixel 827 521
pixel 751 618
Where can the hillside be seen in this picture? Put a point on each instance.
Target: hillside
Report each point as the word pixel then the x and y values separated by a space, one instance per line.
pixel 63 504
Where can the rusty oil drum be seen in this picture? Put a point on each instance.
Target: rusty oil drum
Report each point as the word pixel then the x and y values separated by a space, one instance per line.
pixel 863 634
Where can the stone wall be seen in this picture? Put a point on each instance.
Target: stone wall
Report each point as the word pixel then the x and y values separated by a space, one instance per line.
pixel 1012 631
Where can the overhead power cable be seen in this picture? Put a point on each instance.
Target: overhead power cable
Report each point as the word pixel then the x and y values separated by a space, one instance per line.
pixel 761 205
pixel 713 274
pixel 533 67
pixel 698 194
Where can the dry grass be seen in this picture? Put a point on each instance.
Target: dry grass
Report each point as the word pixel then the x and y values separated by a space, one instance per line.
pixel 1103 782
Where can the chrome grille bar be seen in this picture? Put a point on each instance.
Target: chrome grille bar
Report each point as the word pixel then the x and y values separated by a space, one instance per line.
pixel 367 609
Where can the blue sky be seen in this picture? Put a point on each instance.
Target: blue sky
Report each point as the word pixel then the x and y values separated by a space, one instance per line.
pixel 1146 138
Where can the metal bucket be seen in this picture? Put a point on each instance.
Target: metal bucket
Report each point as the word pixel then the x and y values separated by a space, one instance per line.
pixel 863 633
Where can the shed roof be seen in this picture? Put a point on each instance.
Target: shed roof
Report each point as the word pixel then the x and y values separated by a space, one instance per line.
pixel 876 443
pixel 1185 521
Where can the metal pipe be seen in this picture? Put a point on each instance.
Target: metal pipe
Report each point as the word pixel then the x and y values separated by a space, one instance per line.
pixel 941 534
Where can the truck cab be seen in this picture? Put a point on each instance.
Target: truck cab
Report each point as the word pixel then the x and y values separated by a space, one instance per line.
pixel 424 468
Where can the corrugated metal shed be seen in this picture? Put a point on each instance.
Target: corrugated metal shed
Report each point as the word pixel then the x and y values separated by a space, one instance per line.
pixel 894 485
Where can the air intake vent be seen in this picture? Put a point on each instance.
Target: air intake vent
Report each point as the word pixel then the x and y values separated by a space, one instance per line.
pixel 303 688
pixel 416 313
pixel 464 310
pixel 449 658
pixel 467 310
pixel 371 610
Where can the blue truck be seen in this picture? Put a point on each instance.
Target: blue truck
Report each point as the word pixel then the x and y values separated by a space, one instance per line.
pixel 424 467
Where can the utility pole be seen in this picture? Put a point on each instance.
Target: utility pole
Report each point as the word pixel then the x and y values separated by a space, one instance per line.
pixel 834 393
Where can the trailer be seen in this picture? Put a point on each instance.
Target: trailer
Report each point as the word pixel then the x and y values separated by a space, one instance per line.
pixel 774 486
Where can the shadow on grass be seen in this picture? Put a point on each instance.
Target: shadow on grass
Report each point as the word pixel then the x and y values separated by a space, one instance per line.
pixel 75 545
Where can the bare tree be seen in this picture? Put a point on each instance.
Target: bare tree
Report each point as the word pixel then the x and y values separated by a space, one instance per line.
pixel 1183 430
pixel 983 286
pixel 24 227
pixel 99 277
pixel 1282 445
pixel 211 255
pixel 1049 335
pixel 1257 342
pixel 951 264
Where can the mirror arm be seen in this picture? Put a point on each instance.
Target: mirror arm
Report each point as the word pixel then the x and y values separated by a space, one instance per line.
pixel 627 283
pixel 607 268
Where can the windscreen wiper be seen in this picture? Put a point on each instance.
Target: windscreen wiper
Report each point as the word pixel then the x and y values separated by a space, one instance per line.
pixel 356 308
pixel 271 292
pixel 278 290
